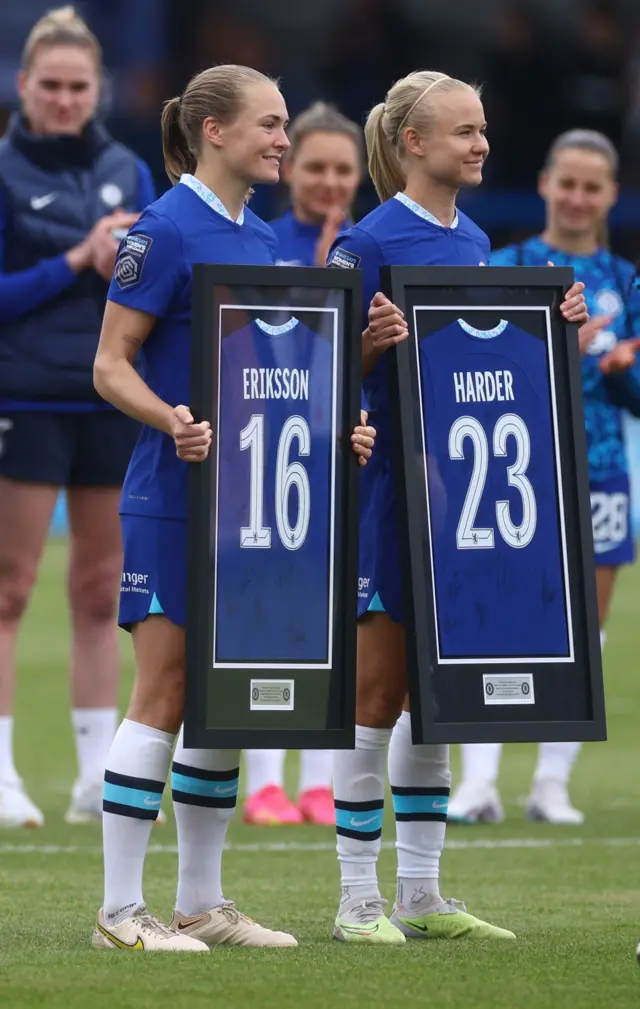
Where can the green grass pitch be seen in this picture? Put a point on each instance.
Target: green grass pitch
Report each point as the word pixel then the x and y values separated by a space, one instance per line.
pixel 572 895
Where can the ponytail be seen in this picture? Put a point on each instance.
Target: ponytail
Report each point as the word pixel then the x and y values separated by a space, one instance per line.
pixel 178 159
pixel 218 92
pixel 384 166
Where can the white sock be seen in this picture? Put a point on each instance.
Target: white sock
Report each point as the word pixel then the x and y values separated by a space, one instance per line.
pixel 358 788
pixel 137 767
pixel 315 769
pixel 555 760
pixel 603 638
pixel 420 779
pixel 480 762
pixel 204 786
pixel 262 768
pixel 8 771
pixel 94 731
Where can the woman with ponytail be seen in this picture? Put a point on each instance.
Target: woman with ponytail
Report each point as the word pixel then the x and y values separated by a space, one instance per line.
pixel 424 143
pixel 224 133
pixel 67 192
pixel 579 188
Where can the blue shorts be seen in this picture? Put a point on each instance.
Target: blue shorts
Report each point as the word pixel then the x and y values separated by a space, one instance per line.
pixel 611 517
pixel 89 449
pixel 154 577
pixel 379 569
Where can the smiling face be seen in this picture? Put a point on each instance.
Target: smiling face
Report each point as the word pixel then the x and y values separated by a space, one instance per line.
pixel 324 173
pixel 579 190
pixel 454 148
pixel 60 89
pixel 253 144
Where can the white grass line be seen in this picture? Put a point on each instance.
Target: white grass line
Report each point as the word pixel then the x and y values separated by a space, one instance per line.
pixel 171 849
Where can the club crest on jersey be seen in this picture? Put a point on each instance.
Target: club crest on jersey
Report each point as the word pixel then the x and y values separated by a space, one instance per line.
pixel 608 302
pixel 130 260
pixel 111 195
pixel 344 260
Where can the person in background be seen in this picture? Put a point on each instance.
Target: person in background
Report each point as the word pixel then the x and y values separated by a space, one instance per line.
pixel 578 185
pixel 66 189
pixel 323 168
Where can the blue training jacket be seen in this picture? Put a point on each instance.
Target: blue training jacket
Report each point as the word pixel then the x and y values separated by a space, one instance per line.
pixel 52 191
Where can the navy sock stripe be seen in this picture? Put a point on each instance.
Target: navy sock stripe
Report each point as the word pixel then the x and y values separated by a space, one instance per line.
pixel 395 790
pixel 128 781
pixel 424 817
pixel 359 835
pixel 208 801
pixel 135 812
pixel 359 807
pixel 198 772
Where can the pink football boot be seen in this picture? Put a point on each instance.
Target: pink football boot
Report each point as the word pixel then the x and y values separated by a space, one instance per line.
pixel 271 807
pixel 316 806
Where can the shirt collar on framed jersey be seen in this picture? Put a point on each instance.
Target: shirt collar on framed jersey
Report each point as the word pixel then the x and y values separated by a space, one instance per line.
pixel 209 198
pixel 421 212
pixel 286 327
pixel 484 334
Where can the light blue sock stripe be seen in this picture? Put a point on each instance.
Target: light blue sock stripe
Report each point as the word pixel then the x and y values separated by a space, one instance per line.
pixel 135 797
pixel 367 822
pixel 375 606
pixel 198 786
pixel 155 607
pixel 420 804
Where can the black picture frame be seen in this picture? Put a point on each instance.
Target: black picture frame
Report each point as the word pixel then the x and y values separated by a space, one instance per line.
pixel 220 696
pixel 451 701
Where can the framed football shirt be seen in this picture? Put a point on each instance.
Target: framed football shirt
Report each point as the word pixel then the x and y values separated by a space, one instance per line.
pixel 493 507
pixel 272 588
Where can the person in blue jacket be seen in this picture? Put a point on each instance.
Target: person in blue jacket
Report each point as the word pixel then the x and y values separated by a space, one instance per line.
pixel 66 191
pixel 578 185
pixel 323 168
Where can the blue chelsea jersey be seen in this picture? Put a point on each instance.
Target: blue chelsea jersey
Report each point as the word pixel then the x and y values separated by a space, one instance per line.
pixel 297 240
pixel 276 462
pixel 609 290
pixel 497 549
pixel 153 274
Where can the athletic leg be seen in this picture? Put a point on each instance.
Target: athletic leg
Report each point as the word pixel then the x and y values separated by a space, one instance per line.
pixel 95 569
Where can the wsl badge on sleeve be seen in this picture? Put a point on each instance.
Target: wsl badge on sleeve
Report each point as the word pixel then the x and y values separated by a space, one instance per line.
pixel 130 260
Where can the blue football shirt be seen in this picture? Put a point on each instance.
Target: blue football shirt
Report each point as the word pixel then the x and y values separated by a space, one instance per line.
pixel 497 549
pixel 187 225
pixel 276 466
pixel 297 240
pixel 609 290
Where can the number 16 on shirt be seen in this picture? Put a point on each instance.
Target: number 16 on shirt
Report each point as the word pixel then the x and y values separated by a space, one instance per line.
pixel 272 577
pixel 493 507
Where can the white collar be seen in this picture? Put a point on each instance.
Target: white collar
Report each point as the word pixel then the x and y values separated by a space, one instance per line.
pixel 421 212
pixel 483 334
pixel 277 330
pixel 209 198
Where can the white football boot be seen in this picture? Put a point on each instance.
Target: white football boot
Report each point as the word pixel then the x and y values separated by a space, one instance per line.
pixel 475 802
pixel 549 801
pixel 16 808
pixel 226 926
pixel 86 804
pixel 141 932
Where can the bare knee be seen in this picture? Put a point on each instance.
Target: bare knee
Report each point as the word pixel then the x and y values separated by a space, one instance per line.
pixel 16 582
pixel 93 591
pixel 158 692
pixel 382 680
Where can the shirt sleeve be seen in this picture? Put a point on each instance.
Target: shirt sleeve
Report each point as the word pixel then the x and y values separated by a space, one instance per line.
pixel 150 270
pixel 146 185
pixel 25 290
pixel 504 257
pixel 355 250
